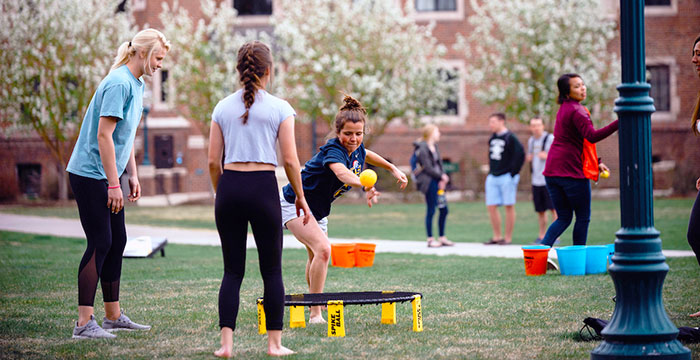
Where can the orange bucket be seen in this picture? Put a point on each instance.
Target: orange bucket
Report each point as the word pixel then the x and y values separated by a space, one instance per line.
pixel 364 254
pixel 343 255
pixel 535 257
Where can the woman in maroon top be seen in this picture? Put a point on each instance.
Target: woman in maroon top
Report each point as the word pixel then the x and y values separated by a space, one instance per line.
pixel 569 189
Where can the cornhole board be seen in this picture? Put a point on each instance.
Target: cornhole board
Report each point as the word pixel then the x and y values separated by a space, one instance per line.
pixel 144 246
pixel 335 303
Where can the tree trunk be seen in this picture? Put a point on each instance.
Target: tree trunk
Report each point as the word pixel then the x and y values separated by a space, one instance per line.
pixel 62 177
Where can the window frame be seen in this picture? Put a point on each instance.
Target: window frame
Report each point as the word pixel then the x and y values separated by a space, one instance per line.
pixel 662 10
pixel 256 20
pixel 157 92
pixel 462 114
pixel 674 99
pixel 454 15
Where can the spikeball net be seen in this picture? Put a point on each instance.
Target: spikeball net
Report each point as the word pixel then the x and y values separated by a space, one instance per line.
pixel 335 303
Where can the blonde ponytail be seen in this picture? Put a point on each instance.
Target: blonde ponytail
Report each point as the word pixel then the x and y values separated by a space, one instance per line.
pixel 147 41
pixel 123 54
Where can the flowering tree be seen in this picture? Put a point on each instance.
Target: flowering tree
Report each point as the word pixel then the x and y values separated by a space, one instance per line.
pixel 205 56
pixel 53 54
pixel 518 49
pixel 369 49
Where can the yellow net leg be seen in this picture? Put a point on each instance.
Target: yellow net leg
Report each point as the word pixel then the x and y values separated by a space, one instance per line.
pixel 389 313
pixel 296 317
pixel 262 329
pixel 417 314
pixel 336 323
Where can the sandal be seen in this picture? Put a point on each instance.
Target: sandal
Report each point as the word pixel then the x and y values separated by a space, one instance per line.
pixel 434 244
pixel 504 242
pixel 446 242
pixel 494 241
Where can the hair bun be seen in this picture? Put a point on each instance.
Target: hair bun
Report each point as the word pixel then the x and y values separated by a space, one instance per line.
pixel 352 104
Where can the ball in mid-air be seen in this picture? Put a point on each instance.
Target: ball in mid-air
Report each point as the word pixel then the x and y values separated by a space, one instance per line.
pixel 368 178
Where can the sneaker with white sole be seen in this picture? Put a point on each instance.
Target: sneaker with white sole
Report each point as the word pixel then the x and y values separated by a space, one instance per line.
pixel 551 265
pixel 91 331
pixel 122 323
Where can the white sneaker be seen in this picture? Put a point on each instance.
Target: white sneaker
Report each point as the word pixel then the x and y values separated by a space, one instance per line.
pixel 91 331
pixel 122 323
pixel 551 265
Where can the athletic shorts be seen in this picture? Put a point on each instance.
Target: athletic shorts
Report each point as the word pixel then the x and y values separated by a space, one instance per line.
pixel 501 190
pixel 540 196
pixel 289 212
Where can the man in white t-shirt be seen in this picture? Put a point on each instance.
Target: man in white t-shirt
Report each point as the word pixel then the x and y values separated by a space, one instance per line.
pixel 537 148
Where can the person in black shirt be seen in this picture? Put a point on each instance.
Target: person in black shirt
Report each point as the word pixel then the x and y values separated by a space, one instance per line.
pixel 506 157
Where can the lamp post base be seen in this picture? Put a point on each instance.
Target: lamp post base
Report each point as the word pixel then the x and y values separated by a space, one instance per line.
pixel 667 350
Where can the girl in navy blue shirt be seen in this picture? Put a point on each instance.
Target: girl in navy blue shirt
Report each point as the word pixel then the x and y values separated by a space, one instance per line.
pixel 334 170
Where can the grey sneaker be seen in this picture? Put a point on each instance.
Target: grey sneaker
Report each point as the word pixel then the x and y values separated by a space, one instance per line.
pixel 122 323
pixel 91 331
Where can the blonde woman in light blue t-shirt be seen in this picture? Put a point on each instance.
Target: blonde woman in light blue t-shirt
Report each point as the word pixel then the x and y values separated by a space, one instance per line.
pixel 104 150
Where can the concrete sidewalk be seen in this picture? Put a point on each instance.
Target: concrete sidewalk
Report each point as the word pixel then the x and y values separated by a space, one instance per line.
pixel 72 228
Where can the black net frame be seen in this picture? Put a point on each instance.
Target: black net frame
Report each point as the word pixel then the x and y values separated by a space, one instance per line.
pixel 349 298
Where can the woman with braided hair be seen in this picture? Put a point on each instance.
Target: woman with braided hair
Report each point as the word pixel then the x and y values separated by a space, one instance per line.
pixel 244 130
pixel 329 174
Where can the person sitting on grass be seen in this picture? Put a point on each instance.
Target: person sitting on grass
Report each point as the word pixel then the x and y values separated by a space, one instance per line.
pixel 328 175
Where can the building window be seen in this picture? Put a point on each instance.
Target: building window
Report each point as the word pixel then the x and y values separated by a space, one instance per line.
pixel 164 86
pixel 660 7
pixel 452 105
pixel 659 78
pixel 29 180
pixel 438 10
pixel 436 5
pixel 657 2
pixel 253 7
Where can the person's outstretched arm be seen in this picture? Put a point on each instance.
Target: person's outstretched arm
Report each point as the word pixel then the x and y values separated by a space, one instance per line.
pixel 376 160
pixel 348 177
pixel 291 166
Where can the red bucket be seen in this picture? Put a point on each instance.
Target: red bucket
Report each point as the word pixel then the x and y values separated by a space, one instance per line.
pixel 535 257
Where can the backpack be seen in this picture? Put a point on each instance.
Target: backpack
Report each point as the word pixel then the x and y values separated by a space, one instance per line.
pixel 416 167
pixel 589 158
pixel 592 328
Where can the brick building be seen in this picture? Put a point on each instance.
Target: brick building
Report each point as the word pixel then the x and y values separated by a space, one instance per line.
pixel 178 157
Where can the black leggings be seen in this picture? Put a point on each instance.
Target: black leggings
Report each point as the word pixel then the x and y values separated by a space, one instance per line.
pixel 106 238
pixel 243 197
pixel 694 228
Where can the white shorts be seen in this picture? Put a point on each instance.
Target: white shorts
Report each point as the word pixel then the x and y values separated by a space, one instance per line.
pixel 289 212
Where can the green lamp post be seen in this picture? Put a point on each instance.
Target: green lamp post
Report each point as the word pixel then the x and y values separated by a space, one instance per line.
pixel 639 327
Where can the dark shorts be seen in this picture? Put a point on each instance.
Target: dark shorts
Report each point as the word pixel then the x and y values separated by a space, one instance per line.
pixel 540 196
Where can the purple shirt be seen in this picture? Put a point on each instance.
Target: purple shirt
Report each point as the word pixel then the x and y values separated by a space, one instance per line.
pixel 572 126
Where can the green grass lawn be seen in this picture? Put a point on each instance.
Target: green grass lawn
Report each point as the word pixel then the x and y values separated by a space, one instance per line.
pixel 474 308
pixel 466 222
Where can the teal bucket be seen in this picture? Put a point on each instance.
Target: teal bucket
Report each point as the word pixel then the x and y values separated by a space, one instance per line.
pixel 596 259
pixel 611 252
pixel 572 260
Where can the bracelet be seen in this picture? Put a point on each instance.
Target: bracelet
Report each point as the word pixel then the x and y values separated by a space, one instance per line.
pixel 114 187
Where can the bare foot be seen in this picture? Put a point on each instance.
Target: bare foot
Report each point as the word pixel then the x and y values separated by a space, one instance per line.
pixel 697 314
pixel 224 352
pixel 317 320
pixel 280 351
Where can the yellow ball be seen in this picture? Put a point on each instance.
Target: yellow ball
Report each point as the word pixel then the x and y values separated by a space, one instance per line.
pixel 604 174
pixel 368 178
